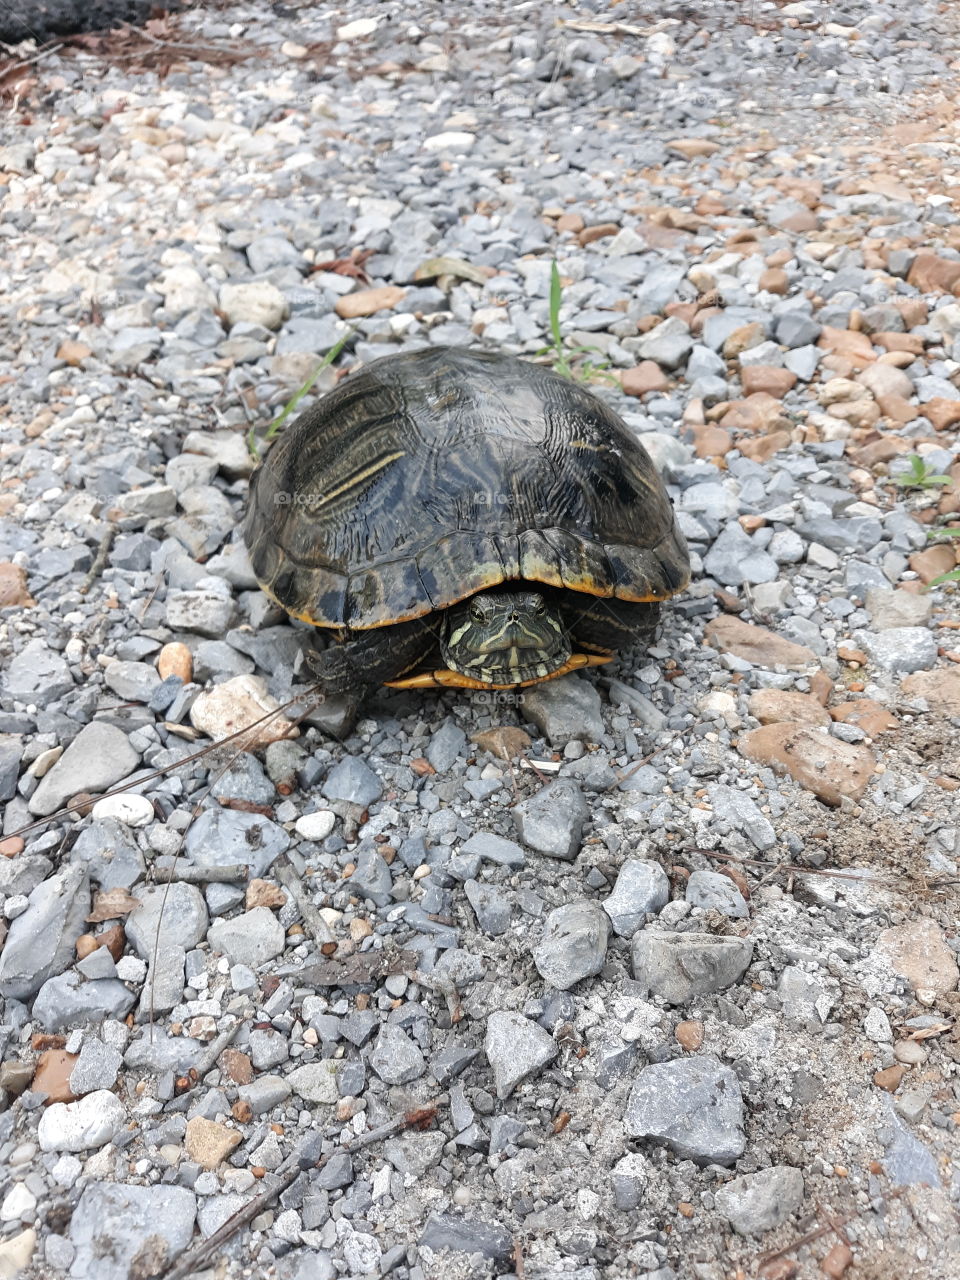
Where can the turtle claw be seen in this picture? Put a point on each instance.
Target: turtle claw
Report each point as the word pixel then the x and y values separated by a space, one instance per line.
pixel 447 679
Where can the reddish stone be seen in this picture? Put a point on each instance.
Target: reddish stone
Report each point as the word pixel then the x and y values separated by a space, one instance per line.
pixel 865 714
pixel 764 447
pixel 774 280
pixel 710 441
pixel 599 232
pixel 758 412
pixel 931 562
pixel 931 274
pixel 570 222
pixel 941 412
pixel 644 377
pixel 855 347
pixel 912 343
pixel 768 379
pixel 52 1076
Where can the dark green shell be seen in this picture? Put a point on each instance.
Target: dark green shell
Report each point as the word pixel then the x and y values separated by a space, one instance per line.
pixel 431 475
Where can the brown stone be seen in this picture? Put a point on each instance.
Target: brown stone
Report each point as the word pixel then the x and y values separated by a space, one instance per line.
pixel 865 714
pixel 911 343
pixel 86 944
pixel 931 274
pixel 758 412
pixel 774 280
pixel 855 347
pixel 601 231
pixel 941 412
pixel 764 447
pixel 932 561
pixel 710 205
pixel 238 704
pixel 940 688
pixel 743 339
pixel 757 645
pixel 505 742
pixel 767 378
pixel 821 686
pixel 831 769
pixel 52 1076
pixel 209 1143
pixel 690 148
pixel 11 846
pixel 570 222
pixel 689 1034
pixel 73 353
pixel 899 410
pixel 889 1078
pixel 114 939
pixel 862 413
pixel 918 952
pixel 800 222
pixel 644 377
pixel 236 1065
pixel 914 311
pixel 175 660
pixel 710 441
pixel 367 302
pixel 13 587
pixel 263 893
pixel 784 706
pixel 882 379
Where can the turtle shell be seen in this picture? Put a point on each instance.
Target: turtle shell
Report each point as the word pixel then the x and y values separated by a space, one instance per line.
pixel 433 474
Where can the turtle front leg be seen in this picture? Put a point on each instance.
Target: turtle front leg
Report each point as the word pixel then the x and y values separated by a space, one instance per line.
pixel 369 658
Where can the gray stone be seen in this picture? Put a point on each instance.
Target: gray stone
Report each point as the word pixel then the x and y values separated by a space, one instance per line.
pixel 797 329
pixel 131 681
pixel 252 938
pixel 37 675
pixel 265 1093
pixel 163 988
pixel 177 910
pixel 224 837
pixel 491 905
pixel 109 851
pixel 493 848
pixel 551 821
pixel 204 612
pixel 315 1082
pixel 629 1178
pixel 395 1058
pixel 694 1105
pixel 803 361
pixel 642 888
pixel 679 966
pixel 41 942
pixel 712 891
pixel 244 780
pixel 565 709
pixel 899 650
pixel 465 1235
pixel 156 1051
pixel 96 1068
pixel 371 878
pixel 99 756
pixel 760 1201
pixel 11 753
pixel 354 781
pixel 115 1225
pixel 267 1048
pixel 68 1001
pixel 804 996
pixel 735 558
pixel 574 944
pixel 743 814
pixel 669 343
pixel 516 1047
pixel 445 746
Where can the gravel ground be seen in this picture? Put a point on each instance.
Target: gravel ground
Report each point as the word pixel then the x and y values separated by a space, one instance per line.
pixel 685 994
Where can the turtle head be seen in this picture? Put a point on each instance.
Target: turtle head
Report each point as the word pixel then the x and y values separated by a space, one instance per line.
pixel 504 637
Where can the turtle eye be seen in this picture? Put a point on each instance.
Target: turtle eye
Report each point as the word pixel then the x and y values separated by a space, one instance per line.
pixel 477 614
pixel 540 610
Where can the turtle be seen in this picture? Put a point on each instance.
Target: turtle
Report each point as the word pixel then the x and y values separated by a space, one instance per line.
pixel 457 517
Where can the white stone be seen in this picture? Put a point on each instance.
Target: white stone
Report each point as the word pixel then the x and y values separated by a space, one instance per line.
pixel 18 1204
pixel 316 826
pixel 449 142
pixel 133 810
pixel 257 302
pixel 361 27
pixel 78 1126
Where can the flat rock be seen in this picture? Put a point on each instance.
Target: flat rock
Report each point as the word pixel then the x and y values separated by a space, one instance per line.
pixel 99 756
pixel 918 951
pixel 899 649
pixel 209 1143
pixel 574 944
pixel 680 966
pixel 395 1058
pixel 829 768
pixel 352 780
pixel 466 1235
pixel 756 645
pixel 941 689
pixel 516 1047
pixel 694 1105
pixel 867 715
pixel 224 837
pixel 315 1082
pixel 251 939
pixel 41 941
pixel 177 911
pixel 129 1232
pixel 712 891
pixel 785 706
pixel 367 302
pixel 238 704
pixel 760 1201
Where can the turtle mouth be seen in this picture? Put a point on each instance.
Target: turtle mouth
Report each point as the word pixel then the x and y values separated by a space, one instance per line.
pixel 504 638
